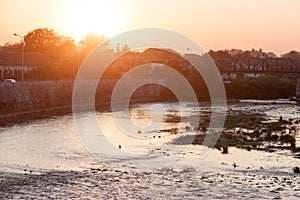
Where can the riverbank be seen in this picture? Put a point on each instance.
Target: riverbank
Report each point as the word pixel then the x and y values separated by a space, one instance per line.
pixel 186 183
pixel 21 117
pixel 10 118
pixel 42 95
pixel 22 101
pixel 22 97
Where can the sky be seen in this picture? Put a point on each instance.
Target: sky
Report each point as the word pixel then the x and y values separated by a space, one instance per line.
pixel 273 25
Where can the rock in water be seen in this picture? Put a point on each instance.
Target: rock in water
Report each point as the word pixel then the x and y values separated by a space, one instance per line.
pixel 296 170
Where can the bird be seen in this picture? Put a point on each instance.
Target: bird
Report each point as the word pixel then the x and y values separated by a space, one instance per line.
pixel 234 165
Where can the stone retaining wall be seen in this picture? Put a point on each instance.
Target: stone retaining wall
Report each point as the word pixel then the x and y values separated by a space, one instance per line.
pixel 24 97
pixel 31 96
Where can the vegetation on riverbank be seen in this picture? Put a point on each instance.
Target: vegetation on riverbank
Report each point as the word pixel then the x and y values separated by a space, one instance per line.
pixel 269 87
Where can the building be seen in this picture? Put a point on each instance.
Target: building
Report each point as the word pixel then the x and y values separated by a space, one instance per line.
pixel 11 65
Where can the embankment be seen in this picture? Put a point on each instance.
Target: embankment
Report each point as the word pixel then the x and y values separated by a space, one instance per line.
pixel 29 100
pixel 23 101
pixel 26 99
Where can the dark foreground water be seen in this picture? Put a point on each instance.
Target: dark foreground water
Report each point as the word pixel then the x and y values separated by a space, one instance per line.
pixel 46 159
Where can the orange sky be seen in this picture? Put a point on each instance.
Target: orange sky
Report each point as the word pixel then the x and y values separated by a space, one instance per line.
pixel 215 24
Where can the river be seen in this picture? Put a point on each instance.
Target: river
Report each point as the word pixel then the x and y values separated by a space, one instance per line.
pixel 47 158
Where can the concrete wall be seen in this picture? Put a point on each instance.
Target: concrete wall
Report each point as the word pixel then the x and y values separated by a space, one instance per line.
pixel 46 95
pixel 30 96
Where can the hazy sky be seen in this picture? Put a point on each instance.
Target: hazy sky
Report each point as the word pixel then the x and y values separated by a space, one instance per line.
pixel 273 25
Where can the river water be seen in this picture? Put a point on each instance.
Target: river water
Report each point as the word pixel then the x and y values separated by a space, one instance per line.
pixel 46 158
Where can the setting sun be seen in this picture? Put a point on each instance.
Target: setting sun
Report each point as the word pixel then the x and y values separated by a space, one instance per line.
pixel 100 17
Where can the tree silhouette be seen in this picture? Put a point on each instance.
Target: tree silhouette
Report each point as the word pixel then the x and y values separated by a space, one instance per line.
pixel 291 54
pixel 89 42
pixel 219 54
pixel 47 41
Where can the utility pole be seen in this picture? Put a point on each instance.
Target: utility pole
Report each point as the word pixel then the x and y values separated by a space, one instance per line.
pixel 22 39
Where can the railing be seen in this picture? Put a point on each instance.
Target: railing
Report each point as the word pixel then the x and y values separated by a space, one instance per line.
pixel 258 65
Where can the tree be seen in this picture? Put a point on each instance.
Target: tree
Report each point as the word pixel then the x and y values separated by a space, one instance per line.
pixel 238 53
pixel 47 41
pixel 57 47
pixel 294 55
pixel 11 47
pixel 291 54
pixel 89 42
pixel 219 54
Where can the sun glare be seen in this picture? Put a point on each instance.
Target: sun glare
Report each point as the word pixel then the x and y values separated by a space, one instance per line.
pixel 92 16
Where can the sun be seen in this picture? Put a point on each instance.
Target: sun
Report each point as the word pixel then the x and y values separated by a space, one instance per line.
pixel 93 16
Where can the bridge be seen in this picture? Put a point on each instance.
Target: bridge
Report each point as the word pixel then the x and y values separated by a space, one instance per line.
pixel 255 67
pixel 230 68
pixel 276 66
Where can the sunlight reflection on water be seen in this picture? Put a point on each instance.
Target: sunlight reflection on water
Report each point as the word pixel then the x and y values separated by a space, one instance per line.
pixel 51 144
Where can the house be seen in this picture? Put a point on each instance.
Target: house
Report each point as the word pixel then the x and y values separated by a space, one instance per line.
pixel 11 65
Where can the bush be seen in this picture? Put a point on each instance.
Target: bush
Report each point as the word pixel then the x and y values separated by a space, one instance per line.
pixel 268 87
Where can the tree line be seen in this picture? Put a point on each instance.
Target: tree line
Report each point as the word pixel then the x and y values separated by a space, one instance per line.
pixel 59 48
pixel 69 54
pixel 238 53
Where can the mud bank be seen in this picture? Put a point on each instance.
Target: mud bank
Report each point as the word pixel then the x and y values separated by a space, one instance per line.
pixel 186 183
